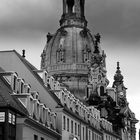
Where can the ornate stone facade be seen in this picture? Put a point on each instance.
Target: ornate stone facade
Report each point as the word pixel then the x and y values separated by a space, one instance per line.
pixel 73 56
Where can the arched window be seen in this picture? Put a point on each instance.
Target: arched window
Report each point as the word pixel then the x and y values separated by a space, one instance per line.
pixel 101 91
pixel 60 55
pixel 86 54
pixel 70 5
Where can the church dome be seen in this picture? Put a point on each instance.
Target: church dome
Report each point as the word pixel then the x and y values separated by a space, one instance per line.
pixel 68 51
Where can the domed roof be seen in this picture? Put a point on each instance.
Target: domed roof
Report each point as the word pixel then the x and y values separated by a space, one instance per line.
pixel 68 51
pixel 69 48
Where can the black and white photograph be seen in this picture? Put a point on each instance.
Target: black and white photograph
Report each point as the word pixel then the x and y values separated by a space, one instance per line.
pixel 69 69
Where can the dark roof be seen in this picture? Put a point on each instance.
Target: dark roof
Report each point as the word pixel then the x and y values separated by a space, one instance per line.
pixel 7 100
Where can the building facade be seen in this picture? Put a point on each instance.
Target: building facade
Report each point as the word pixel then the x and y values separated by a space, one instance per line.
pixel 23 116
pixel 73 56
pixel 69 98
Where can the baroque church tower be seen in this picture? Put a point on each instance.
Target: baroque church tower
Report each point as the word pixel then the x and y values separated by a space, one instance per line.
pixel 73 56
pixel 68 51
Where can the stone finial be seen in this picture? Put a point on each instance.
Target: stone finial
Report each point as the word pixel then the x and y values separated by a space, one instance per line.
pixel 118 65
pixel 118 76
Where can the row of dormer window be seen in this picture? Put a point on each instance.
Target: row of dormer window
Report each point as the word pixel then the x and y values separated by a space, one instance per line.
pixel 18 85
pixel 37 110
pixel 93 117
pixel 40 112
pixel 90 114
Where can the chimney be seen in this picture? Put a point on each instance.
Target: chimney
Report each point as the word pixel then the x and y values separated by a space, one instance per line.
pixel 23 53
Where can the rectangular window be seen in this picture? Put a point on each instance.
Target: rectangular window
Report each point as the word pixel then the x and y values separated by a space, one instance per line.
pixel 89 134
pixel 42 138
pixel 35 137
pixel 78 129
pixel 67 124
pixel 28 90
pixel 10 118
pixel 1 132
pixel 83 133
pixel 21 90
pixel 2 116
pixel 71 126
pixel 92 135
pixel 12 132
pixel 13 119
pixel 64 122
pixel 75 128
pixel 14 84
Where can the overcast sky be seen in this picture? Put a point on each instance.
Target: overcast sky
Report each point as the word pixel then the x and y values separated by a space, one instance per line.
pixel 25 23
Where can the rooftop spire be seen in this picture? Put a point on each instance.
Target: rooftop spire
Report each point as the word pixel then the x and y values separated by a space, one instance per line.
pixel 73 13
pixel 118 65
pixel 118 76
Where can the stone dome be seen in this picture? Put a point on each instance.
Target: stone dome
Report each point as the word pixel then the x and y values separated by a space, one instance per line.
pixel 68 51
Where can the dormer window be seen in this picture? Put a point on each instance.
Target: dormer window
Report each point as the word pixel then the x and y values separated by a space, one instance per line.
pixel 60 55
pixel 21 88
pixel 14 82
pixel 86 54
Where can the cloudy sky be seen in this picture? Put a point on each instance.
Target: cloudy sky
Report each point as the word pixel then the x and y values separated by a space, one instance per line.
pixel 25 23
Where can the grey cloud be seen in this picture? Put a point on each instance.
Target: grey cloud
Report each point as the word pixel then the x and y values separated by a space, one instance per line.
pixel 29 15
pixel 113 18
pixel 118 19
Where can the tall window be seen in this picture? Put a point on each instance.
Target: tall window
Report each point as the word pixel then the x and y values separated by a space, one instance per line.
pixel 89 135
pixel 86 54
pixel 83 133
pixel 92 135
pixel 101 91
pixel 64 122
pixel 42 138
pixel 78 129
pixel 35 137
pixel 14 83
pixel 60 53
pixel 12 126
pixel 67 124
pixel 71 126
pixel 1 132
pixel 21 90
pixel 75 128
